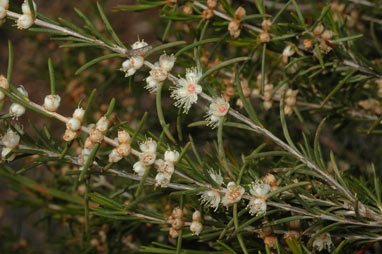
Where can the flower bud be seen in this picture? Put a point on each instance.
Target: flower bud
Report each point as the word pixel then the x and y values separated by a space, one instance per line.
pixel 166 62
pixel 139 44
pixel 196 216
pixel 96 136
pixel 264 37
pixel 16 110
pixel 124 149
pixel 124 137
pixel 3 12
pixel 102 124
pixel 114 156
pixel 4 4
pixel 74 124
pixel 5 152
pixel 196 227
pixel 11 139
pixel 79 113
pixel 24 22
pixel 52 102
pixel 69 135
pixel 318 29
pixel 212 4
pixel 171 156
pixel 4 82
pixel 327 35
pixel 240 13
pixel 139 168
pixel 207 14
pixel 25 8
pixel 234 28
pixel 158 74
pixel 308 44
pixel 137 62
pixel 266 25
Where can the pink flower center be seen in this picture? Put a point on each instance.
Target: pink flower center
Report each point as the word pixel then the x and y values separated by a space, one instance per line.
pixel 191 88
pixel 222 109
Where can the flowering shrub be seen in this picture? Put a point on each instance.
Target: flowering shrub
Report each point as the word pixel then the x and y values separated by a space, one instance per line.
pixel 271 97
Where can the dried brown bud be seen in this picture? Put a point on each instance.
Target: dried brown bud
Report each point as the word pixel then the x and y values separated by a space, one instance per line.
pixel 240 13
pixel 270 241
pixel 308 44
pixel 234 28
pixel 69 135
pixel 318 29
pixel 212 4
pixel 264 37
pixel 266 25
pixel 207 14
pixel 187 9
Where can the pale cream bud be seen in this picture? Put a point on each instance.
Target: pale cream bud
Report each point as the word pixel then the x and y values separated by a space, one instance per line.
pixel 96 136
pixel 171 156
pixel 102 124
pixel 264 37
pixel 114 156
pixel 11 139
pixel 327 35
pixel 79 113
pixel 124 149
pixel 166 62
pixel 52 102
pixel 16 110
pixel 24 22
pixel 196 227
pixel 207 14
pixel 74 124
pixel 196 216
pixel 4 82
pixel 25 8
pixel 4 4
pixel 137 62
pixel 270 241
pixel 234 28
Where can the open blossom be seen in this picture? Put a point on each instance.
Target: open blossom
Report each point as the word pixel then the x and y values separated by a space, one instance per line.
pixel 139 168
pixel 166 62
pixel 233 194
pixel 131 65
pixel 216 176
pixel 259 189
pixel 217 110
pixel 186 91
pixel 257 206
pixel 148 146
pixel 323 241
pixel 211 198
pixel 11 139
pixel 165 170
pixel 171 156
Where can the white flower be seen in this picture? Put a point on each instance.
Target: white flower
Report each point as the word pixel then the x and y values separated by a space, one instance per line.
pixel 139 44
pixel 83 157
pixel 123 149
pixel 16 110
pixel 166 62
pixel 211 198
pixel 11 139
pixel 257 206
pixel 324 241
pixel 216 176
pixel 5 152
pixel 23 91
pixel 74 124
pixel 288 52
pixel 171 156
pixel 147 158
pixel 165 167
pixel 130 66
pixel 114 156
pixel 186 91
pixel 158 74
pixel 24 22
pixel 233 194
pixel 139 168
pixel 259 189
pixel 102 124
pixel 149 146
pixel 152 84
pixel 217 110
pixel 162 180
pixel 79 113
pixel 52 102
pixel 196 227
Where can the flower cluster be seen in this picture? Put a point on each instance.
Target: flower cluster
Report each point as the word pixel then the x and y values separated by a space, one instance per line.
pixel 4 5
pixel 290 101
pixel 160 72
pixel 218 109
pixel 16 110
pixel 10 141
pixel 257 205
pixel 177 222
pixel 166 168
pixel 131 65
pixel 123 149
pixel 26 20
pixel 186 91
pixel 324 36
pixel 97 132
pixel 73 125
pixel 146 157
pixel 267 234
pixel 196 227
pixel 234 26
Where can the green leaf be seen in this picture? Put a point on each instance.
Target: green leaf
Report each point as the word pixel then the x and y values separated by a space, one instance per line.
pixel 51 77
pixel 96 60
pixel 162 121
